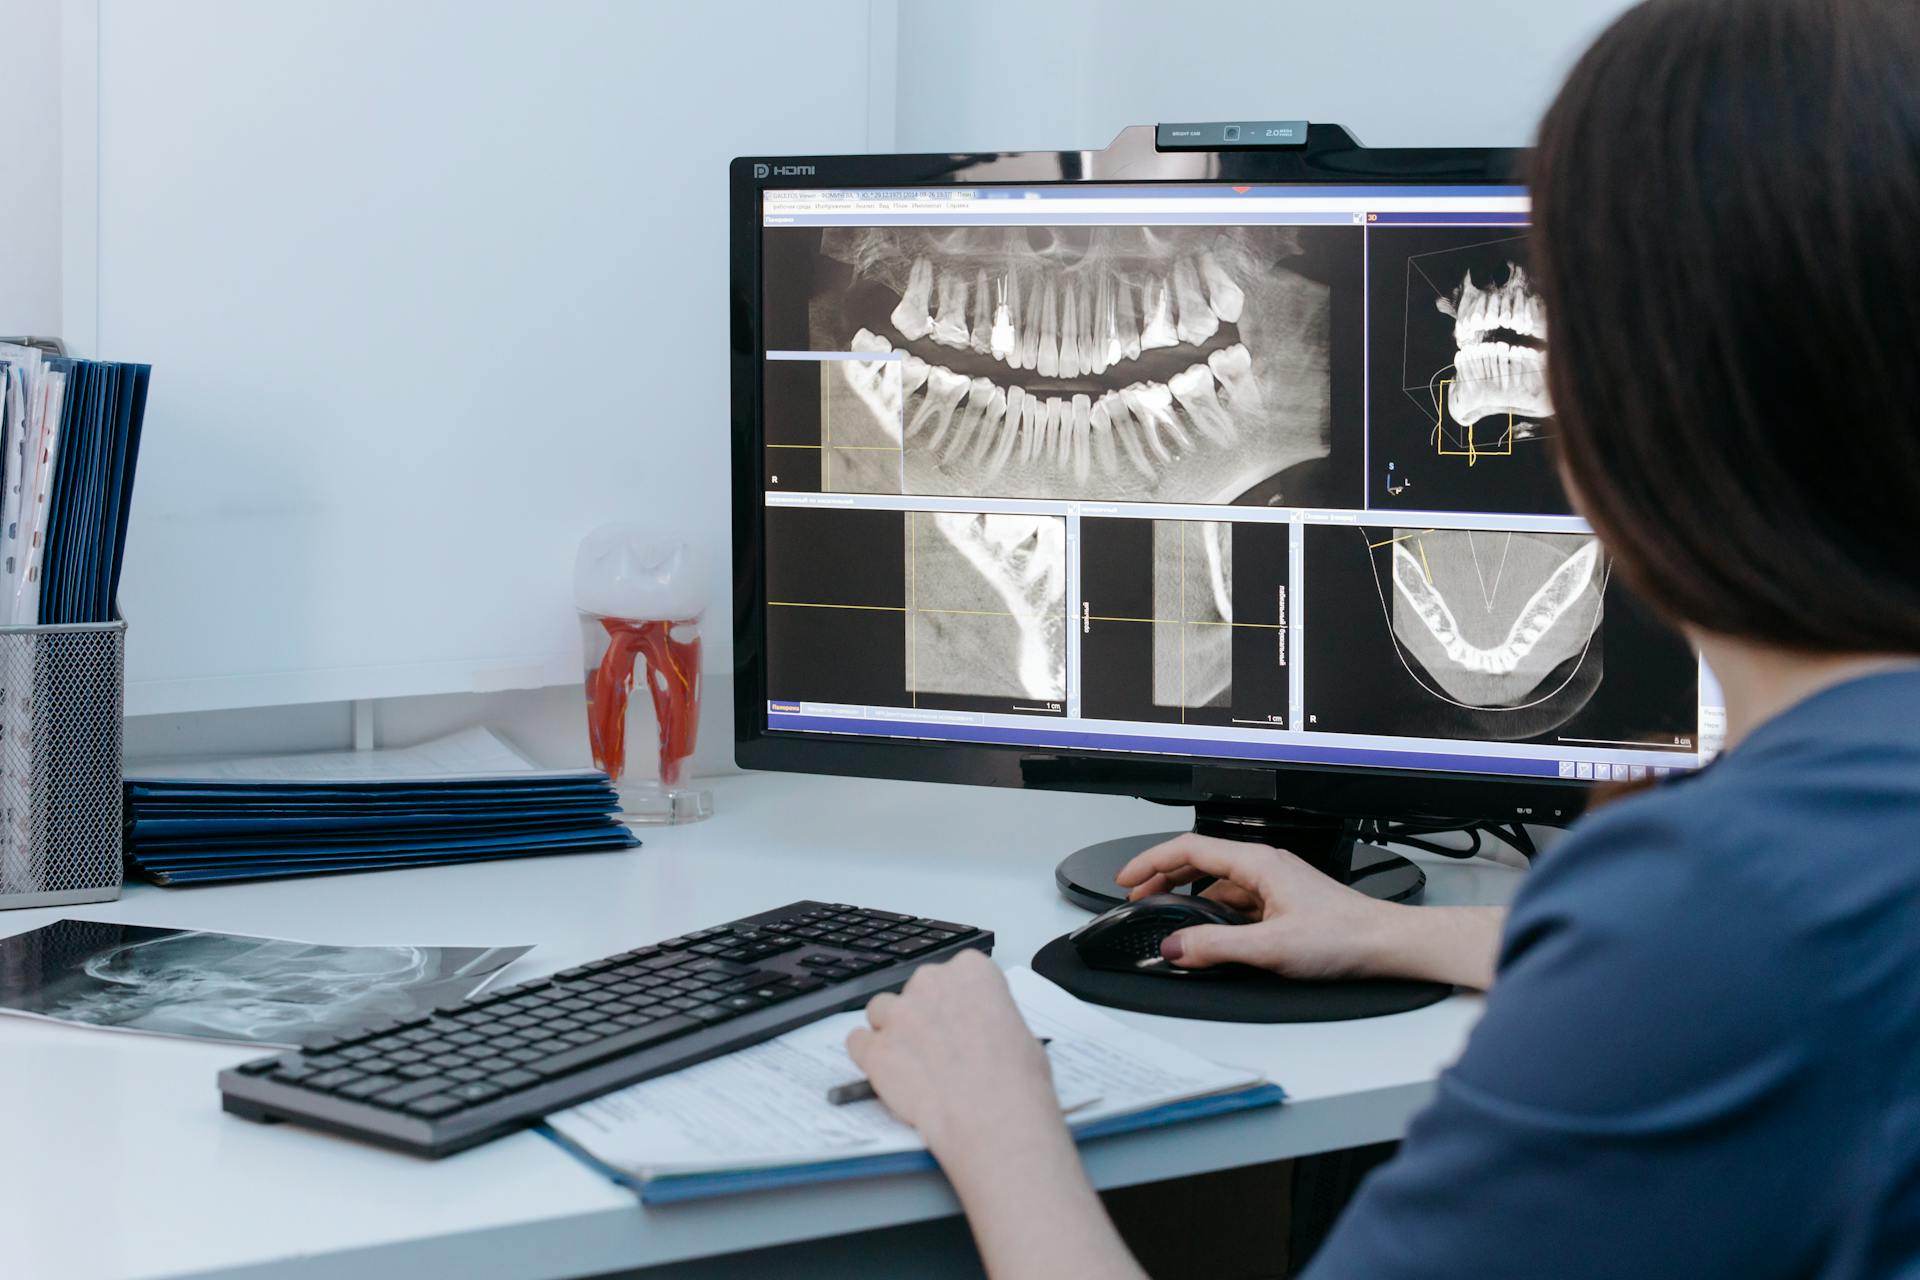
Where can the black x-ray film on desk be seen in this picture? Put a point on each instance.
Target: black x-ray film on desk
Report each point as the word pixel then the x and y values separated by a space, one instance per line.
pixel 1219 476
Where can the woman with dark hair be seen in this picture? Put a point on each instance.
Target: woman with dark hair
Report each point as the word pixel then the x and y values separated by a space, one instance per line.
pixel 1701 1056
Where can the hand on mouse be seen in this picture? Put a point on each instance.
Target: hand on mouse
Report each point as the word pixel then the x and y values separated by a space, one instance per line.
pixel 1306 925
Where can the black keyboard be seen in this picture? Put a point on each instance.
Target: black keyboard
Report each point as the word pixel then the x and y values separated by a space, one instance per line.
pixel 503 1060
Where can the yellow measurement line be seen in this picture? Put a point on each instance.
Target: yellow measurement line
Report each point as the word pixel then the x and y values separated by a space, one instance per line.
pixel 1424 566
pixel 1189 622
pixel 913 601
pixel 1375 546
pixel 982 613
pixel 802 604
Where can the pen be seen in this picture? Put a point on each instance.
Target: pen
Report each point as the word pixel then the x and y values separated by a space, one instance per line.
pixel 860 1090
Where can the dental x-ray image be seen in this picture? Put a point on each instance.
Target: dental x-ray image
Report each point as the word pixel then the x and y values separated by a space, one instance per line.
pixel 860 407
pixel 930 609
pixel 221 986
pixel 1460 417
pixel 1123 363
pixel 1487 634
pixel 833 424
pixel 1184 621
pixel 987 607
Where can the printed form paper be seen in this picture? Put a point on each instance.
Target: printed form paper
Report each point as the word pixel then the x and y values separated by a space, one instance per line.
pixel 766 1105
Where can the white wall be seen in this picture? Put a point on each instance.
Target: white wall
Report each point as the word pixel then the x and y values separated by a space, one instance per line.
pixel 1069 74
pixel 30 177
pixel 431 290
pixel 986 74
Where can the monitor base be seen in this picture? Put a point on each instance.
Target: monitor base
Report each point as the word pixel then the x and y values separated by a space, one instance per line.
pixel 1086 877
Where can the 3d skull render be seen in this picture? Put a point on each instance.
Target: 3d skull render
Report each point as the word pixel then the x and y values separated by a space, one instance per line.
pixel 1500 366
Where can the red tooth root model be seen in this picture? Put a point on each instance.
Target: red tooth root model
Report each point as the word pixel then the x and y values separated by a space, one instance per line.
pixel 672 677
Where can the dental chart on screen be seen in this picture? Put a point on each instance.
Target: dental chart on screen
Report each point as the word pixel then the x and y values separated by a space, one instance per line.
pixel 1258 473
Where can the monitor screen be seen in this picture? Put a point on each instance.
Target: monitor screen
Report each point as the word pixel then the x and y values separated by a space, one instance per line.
pixel 1253 473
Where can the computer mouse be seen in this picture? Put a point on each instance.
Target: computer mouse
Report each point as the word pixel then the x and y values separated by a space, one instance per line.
pixel 1128 937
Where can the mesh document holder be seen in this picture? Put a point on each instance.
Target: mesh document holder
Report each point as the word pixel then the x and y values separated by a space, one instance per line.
pixel 61 696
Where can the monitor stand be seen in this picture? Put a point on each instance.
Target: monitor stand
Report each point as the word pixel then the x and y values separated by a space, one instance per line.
pixel 1331 845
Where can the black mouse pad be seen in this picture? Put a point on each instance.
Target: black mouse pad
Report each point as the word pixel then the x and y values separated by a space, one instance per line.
pixel 1255 997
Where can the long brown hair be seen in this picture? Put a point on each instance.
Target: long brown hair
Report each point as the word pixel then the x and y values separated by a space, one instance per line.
pixel 1727 203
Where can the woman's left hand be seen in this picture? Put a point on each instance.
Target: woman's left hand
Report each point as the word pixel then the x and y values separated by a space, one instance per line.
pixel 951 1056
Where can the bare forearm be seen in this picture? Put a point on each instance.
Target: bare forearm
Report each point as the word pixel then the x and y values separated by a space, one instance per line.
pixel 1032 1211
pixel 1440 944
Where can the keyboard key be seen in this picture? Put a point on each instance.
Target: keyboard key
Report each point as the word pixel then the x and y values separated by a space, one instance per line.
pixel 892 916
pixel 417 1071
pixel 409 1092
pixel 912 946
pixel 294 1071
pixel 434 1106
pixel 328 1081
pixel 709 1014
pixel 743 1003
pixel 477 1092
pixel 516 1079
pixel 367 1086
pixel 613 1046
pixel 464 1074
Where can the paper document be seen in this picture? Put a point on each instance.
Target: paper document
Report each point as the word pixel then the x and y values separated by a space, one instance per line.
pixel 766 1106
pixel 469 754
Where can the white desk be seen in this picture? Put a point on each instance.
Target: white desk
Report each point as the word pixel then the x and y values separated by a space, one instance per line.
pixel 115 1159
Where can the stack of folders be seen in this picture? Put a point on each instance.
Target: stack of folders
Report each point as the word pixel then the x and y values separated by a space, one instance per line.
pixel 69 439
pixel 464 798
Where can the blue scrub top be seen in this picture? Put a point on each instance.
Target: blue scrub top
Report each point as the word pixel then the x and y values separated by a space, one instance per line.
pixel 1701 1056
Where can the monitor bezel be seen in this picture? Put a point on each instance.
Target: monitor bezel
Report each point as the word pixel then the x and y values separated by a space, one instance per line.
pixel 1331 155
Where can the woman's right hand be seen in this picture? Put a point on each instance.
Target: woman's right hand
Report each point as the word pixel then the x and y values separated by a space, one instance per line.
pixel 1306 924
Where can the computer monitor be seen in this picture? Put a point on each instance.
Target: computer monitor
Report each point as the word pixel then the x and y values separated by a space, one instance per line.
pixel 1215 467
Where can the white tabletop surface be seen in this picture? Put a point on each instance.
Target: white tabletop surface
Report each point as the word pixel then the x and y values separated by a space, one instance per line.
pixel 115 1159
